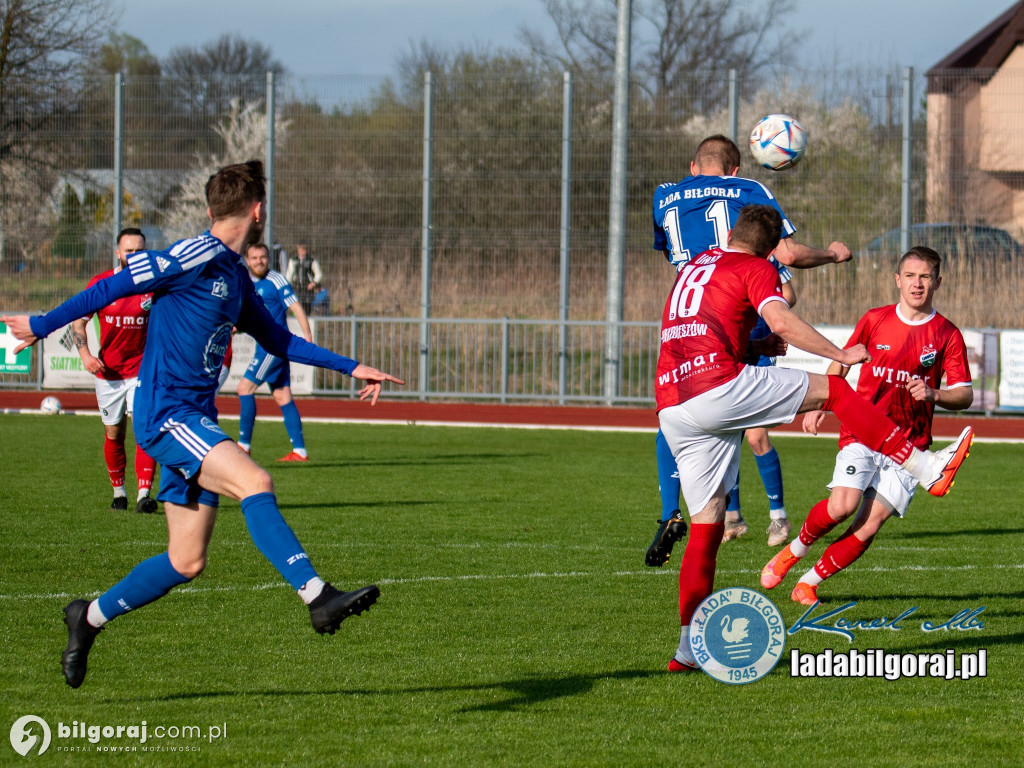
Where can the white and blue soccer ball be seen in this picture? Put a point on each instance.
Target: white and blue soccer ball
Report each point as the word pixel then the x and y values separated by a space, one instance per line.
pixel 50 405
pixel 778 142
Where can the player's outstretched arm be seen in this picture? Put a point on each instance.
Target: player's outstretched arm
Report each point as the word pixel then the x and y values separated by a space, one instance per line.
pixel 802 335
pixel 794 254
pixel 19 326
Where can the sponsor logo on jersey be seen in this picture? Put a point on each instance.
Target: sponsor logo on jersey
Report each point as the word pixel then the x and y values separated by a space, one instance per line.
pixel 216 348
pixel 220 288
pixel 882 346
pixel 161 263
pixel 737 635
pixel 928 355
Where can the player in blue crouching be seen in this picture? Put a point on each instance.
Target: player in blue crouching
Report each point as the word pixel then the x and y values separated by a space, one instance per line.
pixel 201 290
pixel 279 299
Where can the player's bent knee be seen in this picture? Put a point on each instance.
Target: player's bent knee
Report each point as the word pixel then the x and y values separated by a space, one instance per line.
pixel 189 567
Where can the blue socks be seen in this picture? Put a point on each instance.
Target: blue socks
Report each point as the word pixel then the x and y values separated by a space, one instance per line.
pixel 293 423
pixel 246 418
pixel 668 477
pixel 272 536
pixel 733 502
pixel 149 580
pixel 771 475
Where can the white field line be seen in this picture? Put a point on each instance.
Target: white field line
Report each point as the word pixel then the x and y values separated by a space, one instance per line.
pixel 490 425
pixel 522 576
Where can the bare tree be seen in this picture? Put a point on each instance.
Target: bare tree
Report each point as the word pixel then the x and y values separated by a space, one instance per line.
pixel 207 78
pixel 682 49
pixel 43 46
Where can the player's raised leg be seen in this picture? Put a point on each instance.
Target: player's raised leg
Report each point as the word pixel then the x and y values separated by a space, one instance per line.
pixel 229 471
pixel 870 425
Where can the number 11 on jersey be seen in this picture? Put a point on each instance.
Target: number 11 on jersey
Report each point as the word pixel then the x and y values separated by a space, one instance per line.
pixel 717 214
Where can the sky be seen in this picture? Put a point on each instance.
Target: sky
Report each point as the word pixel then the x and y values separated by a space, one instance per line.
pixel 314 37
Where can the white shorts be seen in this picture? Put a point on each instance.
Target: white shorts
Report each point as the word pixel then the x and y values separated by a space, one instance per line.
pixel 857 466
pixel 115 398
pixel 704 433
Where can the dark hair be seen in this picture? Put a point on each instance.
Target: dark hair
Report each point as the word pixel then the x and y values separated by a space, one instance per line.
pixel 718 151
pixel 262 246
pixel 925 254
pixel 758 226
pixel 131 232
pixel 232 189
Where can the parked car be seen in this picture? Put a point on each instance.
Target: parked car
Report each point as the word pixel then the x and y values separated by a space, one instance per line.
pixel 953 242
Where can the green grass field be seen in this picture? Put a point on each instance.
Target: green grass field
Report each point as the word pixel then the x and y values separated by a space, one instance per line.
pixel 517 623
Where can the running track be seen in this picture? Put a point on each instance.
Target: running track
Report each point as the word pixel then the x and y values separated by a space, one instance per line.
pixel 407 411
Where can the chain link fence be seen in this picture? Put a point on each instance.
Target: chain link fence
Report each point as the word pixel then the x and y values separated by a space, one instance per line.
pixel 348 179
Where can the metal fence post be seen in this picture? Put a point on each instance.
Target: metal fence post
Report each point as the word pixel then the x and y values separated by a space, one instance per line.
pixel 428 141
pixel 563 262
pixel 353 340
pixel 118 159
pixel 504 360
pixel 268 230
pixel 908 124
pixel 734 106
pixel 617 207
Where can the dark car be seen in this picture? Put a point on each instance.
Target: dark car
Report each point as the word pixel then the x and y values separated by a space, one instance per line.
pixel 953 242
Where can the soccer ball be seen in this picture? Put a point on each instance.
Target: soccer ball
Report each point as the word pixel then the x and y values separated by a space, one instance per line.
pixel 778 142
pixel 50 405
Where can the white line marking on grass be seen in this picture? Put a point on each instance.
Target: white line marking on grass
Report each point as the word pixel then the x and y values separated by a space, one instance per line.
pixel 512 576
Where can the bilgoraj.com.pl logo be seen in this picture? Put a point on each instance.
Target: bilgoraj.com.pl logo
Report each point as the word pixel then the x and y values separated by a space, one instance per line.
pixel 30 733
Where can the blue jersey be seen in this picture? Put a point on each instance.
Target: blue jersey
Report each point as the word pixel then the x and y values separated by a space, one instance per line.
pixel 277 295
pixel 696 214
pixel 201 289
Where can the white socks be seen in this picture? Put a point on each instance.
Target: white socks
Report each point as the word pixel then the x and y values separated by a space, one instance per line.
pixel 684 655
pixel 94 615
pixel 311 590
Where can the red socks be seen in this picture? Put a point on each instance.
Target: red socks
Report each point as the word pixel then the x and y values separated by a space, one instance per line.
pixel 817 524
pixel 144 466
pixel 113 452
pixel 697 571
pixel 840 554
pixel 867 421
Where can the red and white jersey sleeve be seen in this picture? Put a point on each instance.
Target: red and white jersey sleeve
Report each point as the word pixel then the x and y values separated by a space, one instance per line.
pixel 707 320
pixel 123 325
pixel 901 350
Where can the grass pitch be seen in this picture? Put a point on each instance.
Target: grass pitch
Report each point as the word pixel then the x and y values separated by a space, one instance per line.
pixel 517 623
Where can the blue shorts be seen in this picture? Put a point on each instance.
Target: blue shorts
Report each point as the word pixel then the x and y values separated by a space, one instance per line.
pixel 180 448
pixel 265 367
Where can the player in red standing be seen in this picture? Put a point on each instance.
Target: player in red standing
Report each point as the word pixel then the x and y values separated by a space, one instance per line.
pixel 706 396
pixel 122 338
pixel 912 347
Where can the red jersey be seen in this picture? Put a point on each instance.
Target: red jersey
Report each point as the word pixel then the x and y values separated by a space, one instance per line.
pixel 707 321
pixel 902 350
pixel 122 333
